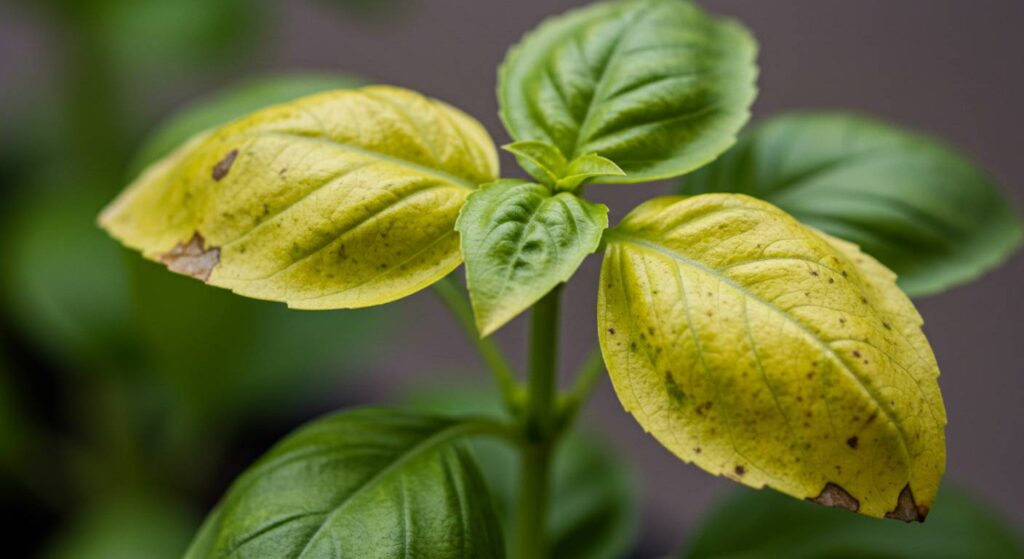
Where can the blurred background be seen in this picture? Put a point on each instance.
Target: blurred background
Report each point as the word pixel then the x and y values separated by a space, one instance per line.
pixel 130 397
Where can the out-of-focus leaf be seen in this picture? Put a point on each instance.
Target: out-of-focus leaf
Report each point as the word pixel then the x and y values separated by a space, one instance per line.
pixel 594 510
pixel 232 103
pixel 765 524
pixel 92 305
pixel 660 87
pixel 761 350
pixel 369 483
pixel 344 199
pixel 922 209
pixel 128 527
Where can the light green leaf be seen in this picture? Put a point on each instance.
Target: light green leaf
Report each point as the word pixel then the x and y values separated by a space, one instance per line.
pixel 657 86
pixel 761 350
pixel 369 483
pixel 520 240
pixel 541 160
pixel 763 524
pixel 594 512
pixel 917 206
pixel 340 200
pixel 235 102
pixel 585 168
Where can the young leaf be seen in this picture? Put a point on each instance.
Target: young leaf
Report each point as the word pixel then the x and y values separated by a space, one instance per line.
pixel 766 524
pixel 585 168
pixel 542 161
pixel 924 211
pixel 762 350
pixel 339 200
pixel 370 483
pixel 520 240
pixel 657 86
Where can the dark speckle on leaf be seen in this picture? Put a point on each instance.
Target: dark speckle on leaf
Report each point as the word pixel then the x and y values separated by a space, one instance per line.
pixel 852 442
pixel 220 170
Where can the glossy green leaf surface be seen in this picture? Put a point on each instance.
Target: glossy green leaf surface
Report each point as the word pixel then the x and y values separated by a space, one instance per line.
pixel 519 240
pixel 920 208
pixel 658 86
pixel 370 483
pixel 764 524
pixel 231 103
pixel 595 502
pixel 764 351
pixel 339 200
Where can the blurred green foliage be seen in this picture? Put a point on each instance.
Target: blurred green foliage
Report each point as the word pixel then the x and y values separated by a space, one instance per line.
pixel 765 524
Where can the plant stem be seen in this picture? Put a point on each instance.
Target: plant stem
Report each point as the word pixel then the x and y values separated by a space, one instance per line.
pixel 589 373
pixel 452 296
pixel 538 422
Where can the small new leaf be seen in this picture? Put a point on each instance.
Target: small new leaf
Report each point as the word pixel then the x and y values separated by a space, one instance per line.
pixel 338 200
pixel 372 483
pixel 587 167
pixel 919 207
pixel 541 160
pixel 520 240
pixel 658 86
pixel 764 351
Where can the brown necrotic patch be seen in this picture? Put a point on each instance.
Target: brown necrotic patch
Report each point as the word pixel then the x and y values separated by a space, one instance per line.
pixel 192 258
pixel 906 508
pixel 220 170
pixel 835 496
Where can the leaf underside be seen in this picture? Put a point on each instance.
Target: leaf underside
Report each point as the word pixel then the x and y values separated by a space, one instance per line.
pixel 343 199
pixel 371 483
pixel 657 86
pixel 923 210
pixel 520 240
pixel 767 352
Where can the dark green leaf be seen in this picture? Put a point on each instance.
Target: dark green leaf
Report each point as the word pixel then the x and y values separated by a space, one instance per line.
pixel 766 524
pixel 657 86
pixel 233 103
pixel 519 241
pixel 594 510
pixel 370 483
pixel 923 210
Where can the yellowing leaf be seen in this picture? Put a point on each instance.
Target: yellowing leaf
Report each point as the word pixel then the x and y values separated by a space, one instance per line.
pixel 343 199
pixel 762 350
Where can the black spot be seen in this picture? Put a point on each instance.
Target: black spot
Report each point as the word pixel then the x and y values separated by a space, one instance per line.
pixel 852 442
pixel 740 470
pixel 611 331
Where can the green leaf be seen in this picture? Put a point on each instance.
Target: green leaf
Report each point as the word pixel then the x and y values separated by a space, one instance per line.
pixel 340 200
pixel 520 240
pixel 920 208
pixel 585 168
pixel 757 525
pixel 235 102
pixel 594 512
pixel 657 86
pixel 369 483
pixel 764 351
pixel 541 160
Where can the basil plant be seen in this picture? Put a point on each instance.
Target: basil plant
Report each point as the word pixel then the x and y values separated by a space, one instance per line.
pixel 757 323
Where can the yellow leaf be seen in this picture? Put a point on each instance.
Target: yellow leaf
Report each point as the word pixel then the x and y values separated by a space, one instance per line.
pixel 337 200
pixel 764 351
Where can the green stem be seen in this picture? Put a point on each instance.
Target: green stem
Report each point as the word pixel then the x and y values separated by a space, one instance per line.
pixel 538 421
pixel 453 297
pixel 589 373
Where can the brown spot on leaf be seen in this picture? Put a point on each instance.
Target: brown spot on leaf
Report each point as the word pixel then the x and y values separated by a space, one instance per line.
pixel 852 442
pixel 834 496
pixel 740 470
pixel 611 331
pixel 192 258
pixel 906 509
pixel 220 170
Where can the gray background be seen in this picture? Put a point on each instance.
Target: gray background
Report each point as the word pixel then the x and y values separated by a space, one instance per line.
pixel 949 67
